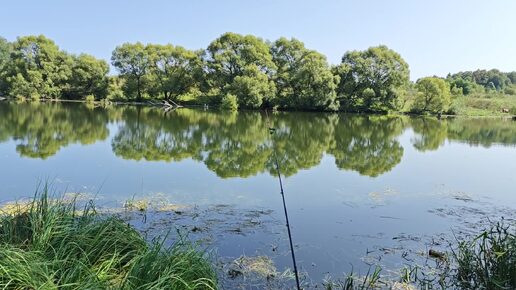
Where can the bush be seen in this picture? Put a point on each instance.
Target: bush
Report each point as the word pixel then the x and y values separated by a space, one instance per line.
pixel 90 98
pixel 511 90
pixel 433 95
pixel 229 102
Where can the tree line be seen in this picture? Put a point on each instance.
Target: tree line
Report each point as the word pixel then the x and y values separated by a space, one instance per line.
pixel 237 71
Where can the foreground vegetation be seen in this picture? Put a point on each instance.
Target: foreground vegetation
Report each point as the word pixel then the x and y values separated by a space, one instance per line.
pixel 244 71
pixel 55 244
pixel 485 261
pixel 51 244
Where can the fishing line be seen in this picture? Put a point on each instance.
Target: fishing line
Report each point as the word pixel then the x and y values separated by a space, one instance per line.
pixel 272 130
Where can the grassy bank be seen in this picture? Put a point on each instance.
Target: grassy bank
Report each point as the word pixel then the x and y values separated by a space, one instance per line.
pixel 479 105
pixel 485 105
pixel 53 244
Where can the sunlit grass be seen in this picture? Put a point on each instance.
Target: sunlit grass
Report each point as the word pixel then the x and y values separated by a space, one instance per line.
pixel 50 244
pixel 480 105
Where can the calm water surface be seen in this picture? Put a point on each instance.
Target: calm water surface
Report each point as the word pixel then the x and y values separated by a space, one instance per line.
pixel 360 189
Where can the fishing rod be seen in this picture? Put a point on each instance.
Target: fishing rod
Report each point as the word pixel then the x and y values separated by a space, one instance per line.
pixel 272 130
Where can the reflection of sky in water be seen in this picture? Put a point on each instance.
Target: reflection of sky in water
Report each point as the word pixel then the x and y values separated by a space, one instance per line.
pixel 337 215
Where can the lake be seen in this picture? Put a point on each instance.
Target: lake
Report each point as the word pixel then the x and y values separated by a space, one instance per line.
pixel 361 190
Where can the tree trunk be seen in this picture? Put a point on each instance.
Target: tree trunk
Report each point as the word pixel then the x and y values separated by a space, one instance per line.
pixel 139 98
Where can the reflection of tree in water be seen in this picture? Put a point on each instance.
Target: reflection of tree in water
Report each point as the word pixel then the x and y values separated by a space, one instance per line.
pixel 41 130
pixel 238 144
pixel 301 140
pixel 430 133
pixel 150 134
pixel 483 131
pixel 367 144
pixel 240 148
pixel 230 144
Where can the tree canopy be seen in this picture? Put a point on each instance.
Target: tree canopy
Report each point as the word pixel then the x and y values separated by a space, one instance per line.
pixel 241 65
pixel 371 80
pixel 37 68
pixel 479 81
pixel 5 52
pixel 132 61
pixel 433 95
pixel 34 67
pixel 304 78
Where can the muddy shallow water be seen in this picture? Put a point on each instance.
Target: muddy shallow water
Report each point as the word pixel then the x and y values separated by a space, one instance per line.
pixel 361 190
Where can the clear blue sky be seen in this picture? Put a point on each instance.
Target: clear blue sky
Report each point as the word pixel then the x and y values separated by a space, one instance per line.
pixel 434 37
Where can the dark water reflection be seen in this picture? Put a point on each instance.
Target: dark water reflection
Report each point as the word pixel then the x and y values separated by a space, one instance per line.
pixel 355 182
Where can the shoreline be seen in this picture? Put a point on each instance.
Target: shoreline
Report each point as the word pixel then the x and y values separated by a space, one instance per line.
pixel 105 103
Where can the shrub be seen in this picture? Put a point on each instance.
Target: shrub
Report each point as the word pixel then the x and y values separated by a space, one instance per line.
pixel 90 98
pixel 229 102
pixel 433 95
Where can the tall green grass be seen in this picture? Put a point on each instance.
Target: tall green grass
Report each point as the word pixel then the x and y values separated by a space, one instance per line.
pixel 51 244
pixel 489 260
pixel 486 261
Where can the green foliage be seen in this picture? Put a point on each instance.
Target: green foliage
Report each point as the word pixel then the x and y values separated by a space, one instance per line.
pixel 303 79
pixel 484 105
pixel 241 65
pixel 433 95
pixel 370 80
pixel 89 98
pixel 37 68
pixel 229 102
pixel 132 61
pixel 283 75
pixel 252 88
pixel 5 52
pixel 510 90
pixel 89 77
pixel 115 88
pixel 173 71
pixel 481 80
pixel 49 244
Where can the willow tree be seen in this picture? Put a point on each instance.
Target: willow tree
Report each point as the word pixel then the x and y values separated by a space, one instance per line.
pixel 371 80
pixel 37 68
pixel 89 77
pixel 433 95
pixel 240 64
pixel 174 71
pixel 304 78
pixel 132 61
